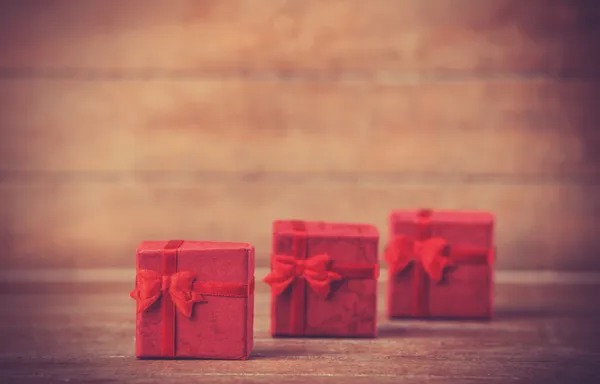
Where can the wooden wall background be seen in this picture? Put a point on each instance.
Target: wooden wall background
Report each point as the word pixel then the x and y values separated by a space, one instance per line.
pixel 122 121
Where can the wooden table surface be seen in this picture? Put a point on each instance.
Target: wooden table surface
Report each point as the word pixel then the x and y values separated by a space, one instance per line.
pixel 83 333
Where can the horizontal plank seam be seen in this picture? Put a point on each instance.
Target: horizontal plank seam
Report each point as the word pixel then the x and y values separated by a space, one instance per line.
pixel 276 75
pixel 126 275
pixel 307 375
pixel 191 177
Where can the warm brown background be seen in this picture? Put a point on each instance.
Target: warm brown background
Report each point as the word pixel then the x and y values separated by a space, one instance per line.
pixel 122 121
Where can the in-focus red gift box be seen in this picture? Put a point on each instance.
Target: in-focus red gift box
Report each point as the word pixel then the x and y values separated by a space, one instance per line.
pixel 440 264
pixel 323 279
pixel 195 299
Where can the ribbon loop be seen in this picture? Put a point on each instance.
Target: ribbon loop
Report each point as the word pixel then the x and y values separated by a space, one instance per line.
pixel 315 270
pixel 433 254
pixel 179 286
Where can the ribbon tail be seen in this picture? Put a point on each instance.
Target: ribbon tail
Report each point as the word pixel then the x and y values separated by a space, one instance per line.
pixel 279 281
pixel 398 267
pixel 280 286
pixel 434 258
pixel 143 304
pixel 184 306
pixel 320 287
pixel 436 271
pixel 399 253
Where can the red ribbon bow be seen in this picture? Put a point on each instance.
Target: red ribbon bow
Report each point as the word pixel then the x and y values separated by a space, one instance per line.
pixel 179 286
pixel 315 270
pixel 432 254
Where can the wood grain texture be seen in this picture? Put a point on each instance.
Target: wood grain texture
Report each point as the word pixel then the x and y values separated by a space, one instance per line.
pixel 541 334
pixel 98 224
pixel 124 121
pixel 538 128
pixel 551 37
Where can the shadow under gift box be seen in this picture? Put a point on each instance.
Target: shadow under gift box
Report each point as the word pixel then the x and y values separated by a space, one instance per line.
pixel 195 299
pixel 458 247
pixel 323 279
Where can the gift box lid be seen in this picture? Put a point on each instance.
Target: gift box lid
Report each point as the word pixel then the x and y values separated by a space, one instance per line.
pixel 211 260
pixel 445 215
pixel 461 228
pixel 325 229
pixel 194 245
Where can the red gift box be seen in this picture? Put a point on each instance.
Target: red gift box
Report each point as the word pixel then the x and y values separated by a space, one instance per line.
pixel 323 279
pixel 440 264
pixel 195 299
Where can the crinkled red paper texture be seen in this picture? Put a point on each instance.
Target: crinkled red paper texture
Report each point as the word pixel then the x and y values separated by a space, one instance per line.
pixel 467 290
pixel 351 308
pixel 220 328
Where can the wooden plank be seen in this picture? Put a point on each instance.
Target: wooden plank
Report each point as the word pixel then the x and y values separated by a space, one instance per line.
pixel 475 128
pixel 551 37
pixel 96 224
pixel 64 126
pixel 540 333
